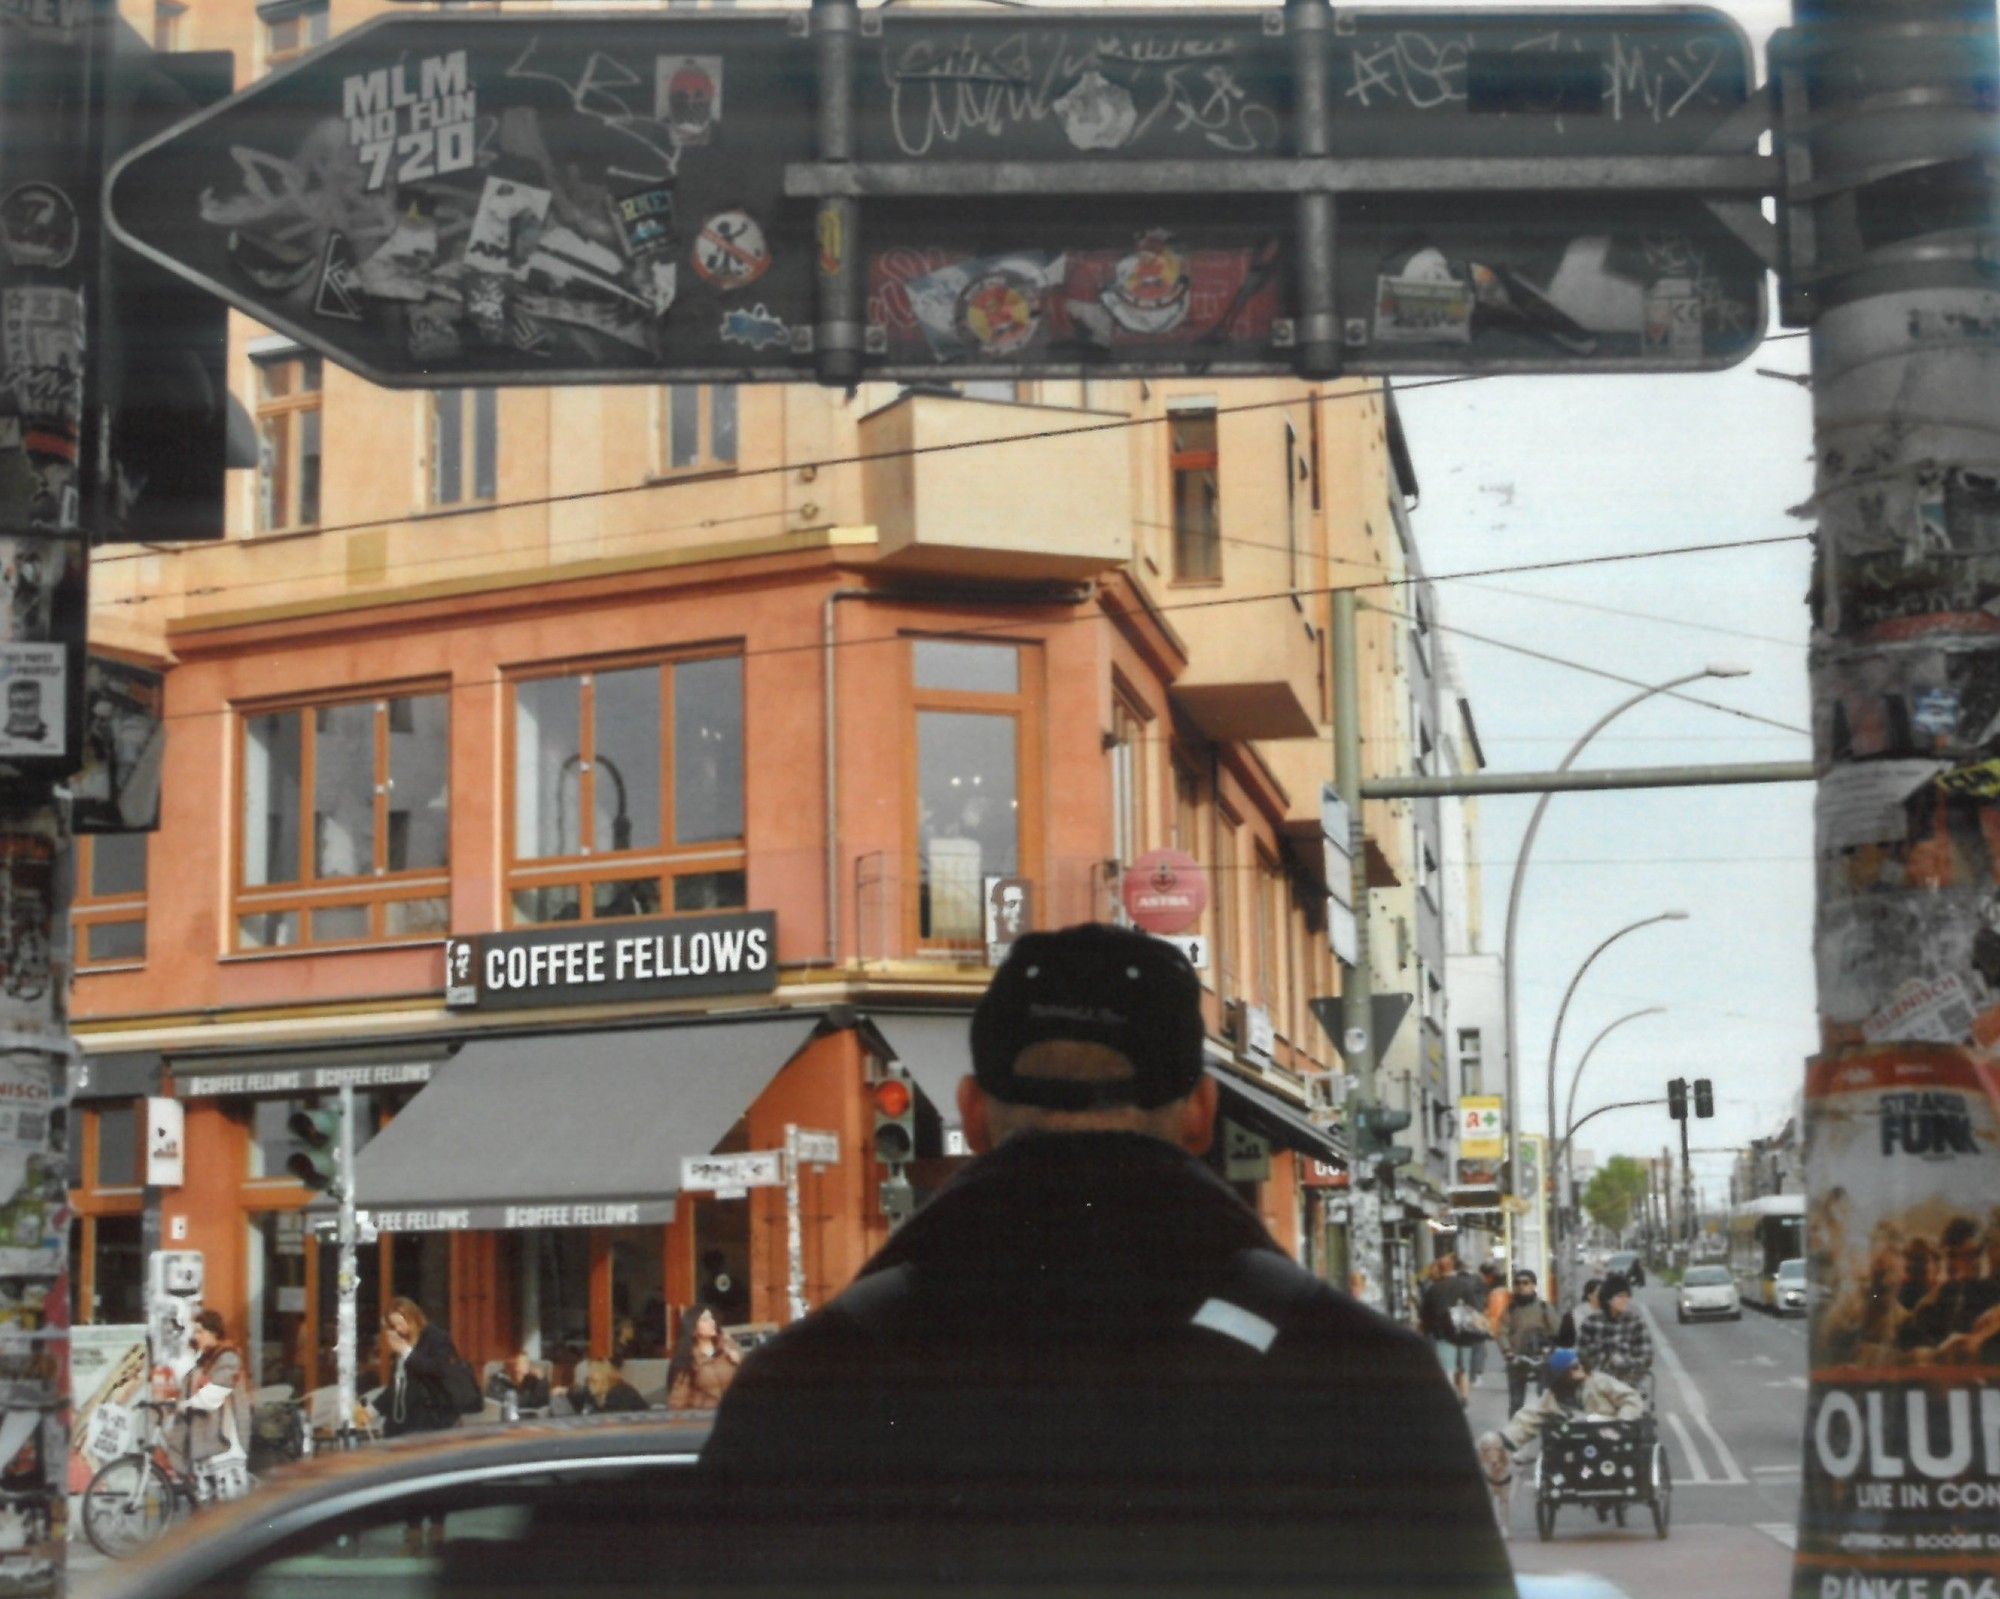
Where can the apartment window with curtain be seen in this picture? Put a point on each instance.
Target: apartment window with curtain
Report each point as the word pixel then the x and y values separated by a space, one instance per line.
pixel 345 823
pixel 627 792
pixel 464 445
pixel 698 430
pixel 975 808
pixel 109 913
pixel 288 441
pixel 1197 514
pixel 291 28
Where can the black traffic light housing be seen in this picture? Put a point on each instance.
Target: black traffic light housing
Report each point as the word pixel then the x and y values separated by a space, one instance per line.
pixel 1704 1098
pixel 1377 1126
pixel 1677 1099
pixel 316 1162
pixel 895 1097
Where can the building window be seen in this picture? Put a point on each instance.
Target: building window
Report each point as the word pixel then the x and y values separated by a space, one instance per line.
pixel 110 909
pixel 1228 939
pixel 345 823
pixel 1128 782
pixel 1197 503
pixel 972 703
pixel 288 441
pixel 628 792
pixel 1273 945
pixel 698 427
pixel 167 15
pixel 464 446
pixel 1471 1068
pixel 291 28
pixel 108 1248
pixel 1187 810
pixel 114 1145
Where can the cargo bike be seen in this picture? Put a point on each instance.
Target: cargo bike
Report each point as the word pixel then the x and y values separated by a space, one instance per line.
pixel 1611 1465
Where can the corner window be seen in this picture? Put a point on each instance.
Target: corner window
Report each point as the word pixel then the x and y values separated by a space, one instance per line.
pixel 167 19
pixel 291 28
pixel 973 739
pixel 628 792
pixel 288 441
pixel 110 908
pixel 1196 499
pixel 345 823
pixel 698 427
pixel 464 446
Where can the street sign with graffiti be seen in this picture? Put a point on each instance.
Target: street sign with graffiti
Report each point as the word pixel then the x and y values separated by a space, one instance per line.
pixel 441 200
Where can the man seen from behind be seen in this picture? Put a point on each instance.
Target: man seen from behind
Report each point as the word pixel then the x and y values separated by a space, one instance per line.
pixel 1086 1365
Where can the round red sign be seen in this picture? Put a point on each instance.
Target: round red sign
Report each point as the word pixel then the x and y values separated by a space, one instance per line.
pixel 1165 891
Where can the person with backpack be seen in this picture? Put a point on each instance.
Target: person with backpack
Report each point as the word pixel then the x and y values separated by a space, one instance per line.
pixel 1452 1314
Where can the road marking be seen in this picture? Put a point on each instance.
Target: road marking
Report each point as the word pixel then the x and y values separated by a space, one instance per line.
pixel 1697 1406
pixel 1786 1532
pixel 1697 1472
pixel 1754 1360
pixel 1786 1382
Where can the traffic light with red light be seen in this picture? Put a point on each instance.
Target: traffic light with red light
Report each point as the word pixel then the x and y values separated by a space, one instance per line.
pixel 895 1098
pixel 1677 1099
pixel 1704 1097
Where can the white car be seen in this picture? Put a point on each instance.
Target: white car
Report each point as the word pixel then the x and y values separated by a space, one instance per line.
pixel 1708 1291
pixel 1790 1289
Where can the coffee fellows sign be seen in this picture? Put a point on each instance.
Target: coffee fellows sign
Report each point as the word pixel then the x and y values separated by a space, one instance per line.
pixel 613 962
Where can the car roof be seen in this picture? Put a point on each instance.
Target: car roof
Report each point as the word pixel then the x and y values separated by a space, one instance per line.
pixel 296 1496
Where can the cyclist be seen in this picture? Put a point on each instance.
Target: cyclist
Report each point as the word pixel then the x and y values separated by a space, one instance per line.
pixel 1615 1341
pixel 1571 1391
pixel 1527 1331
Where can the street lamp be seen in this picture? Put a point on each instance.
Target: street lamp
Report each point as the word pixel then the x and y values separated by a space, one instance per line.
pixel 1508 985
pixel 1562 1152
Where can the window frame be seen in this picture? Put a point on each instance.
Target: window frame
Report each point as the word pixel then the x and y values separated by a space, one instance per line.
pixel 288 473
pixel 1024 708
pixel 376 889
pixel 89 909
pixel 590 866
pixel 1191 462
pixel 478 427
pixel 314 16
pixel 92 1200
pixel 706 461
pixel 168 16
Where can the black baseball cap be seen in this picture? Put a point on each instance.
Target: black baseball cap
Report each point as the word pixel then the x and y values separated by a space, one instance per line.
pixel 1095 984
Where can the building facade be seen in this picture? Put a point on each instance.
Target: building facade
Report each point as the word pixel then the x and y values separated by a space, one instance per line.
pixel 599 780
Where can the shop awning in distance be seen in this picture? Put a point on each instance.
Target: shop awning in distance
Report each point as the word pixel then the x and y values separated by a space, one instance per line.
pixel 584 1129
pixel 1285 1125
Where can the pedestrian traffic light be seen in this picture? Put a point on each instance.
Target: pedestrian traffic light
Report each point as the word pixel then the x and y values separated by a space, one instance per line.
pixel 1704 1097
pixel 895 1117
pixel 316 1162
pixel 1677 1099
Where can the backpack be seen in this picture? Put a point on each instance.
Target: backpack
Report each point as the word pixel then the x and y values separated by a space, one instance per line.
pixel 461 1387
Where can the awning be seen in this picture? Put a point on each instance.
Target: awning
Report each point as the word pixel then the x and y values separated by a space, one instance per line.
pixel 937 1051
pixel 580 1129
pixel 1263 1111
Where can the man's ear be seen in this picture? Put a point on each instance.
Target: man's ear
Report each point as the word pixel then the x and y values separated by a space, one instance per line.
pixel 972 1116
pixel 1198 1124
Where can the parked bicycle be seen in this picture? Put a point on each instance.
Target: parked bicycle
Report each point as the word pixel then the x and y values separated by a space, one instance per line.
pixel 138 1496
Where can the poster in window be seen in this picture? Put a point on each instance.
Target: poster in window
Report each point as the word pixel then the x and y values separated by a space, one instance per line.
pixel 117 787
pixel 1010 912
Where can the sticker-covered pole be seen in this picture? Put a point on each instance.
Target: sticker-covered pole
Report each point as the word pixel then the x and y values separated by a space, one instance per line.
pixel 1307 24
pixel 837 337
pixel 1890 129
pixel 347 1330
pixel 795 1247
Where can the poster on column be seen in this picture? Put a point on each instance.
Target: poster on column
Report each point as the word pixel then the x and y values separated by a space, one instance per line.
pixel 1902 1471
pixel 107 1379
pixel 33 1193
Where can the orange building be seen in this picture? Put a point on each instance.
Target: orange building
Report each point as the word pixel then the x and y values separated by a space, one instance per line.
pixel 597 779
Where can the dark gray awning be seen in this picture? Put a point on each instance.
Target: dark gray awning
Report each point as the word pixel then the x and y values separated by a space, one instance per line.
pixel 1284 1124
pixel 568 1129
pixel 936 1048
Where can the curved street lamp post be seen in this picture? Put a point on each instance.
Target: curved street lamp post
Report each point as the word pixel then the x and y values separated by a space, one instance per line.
pixel 1562 1151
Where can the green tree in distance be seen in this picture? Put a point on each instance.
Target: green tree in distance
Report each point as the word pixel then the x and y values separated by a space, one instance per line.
pixel 1615 1192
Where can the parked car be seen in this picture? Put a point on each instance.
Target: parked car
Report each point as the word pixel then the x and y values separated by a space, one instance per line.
pixel 1708 1291
pixel 1628 1264
pixel 1790 1299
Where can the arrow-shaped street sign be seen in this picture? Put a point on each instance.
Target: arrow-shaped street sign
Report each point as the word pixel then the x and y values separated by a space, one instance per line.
pixel 601 197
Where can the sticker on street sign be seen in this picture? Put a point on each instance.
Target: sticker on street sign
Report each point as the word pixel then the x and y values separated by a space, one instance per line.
pixel 1192 945
pixel 442 200
pixel 819 1149
pixel 720 1174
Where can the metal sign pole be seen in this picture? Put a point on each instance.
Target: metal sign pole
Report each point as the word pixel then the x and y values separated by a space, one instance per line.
pixel 795 1252
pixel 346 1329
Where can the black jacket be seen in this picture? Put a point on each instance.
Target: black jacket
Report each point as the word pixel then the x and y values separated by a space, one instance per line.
pixel 1086 1362
pixel 424 1403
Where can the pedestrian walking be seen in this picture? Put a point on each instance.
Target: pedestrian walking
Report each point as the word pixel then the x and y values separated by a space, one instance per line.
pixel 1084 1363
pixel 1527 1334
pixel 1452 1314
pixel 704 1363
pixel 419 1397
pixel 1577 1315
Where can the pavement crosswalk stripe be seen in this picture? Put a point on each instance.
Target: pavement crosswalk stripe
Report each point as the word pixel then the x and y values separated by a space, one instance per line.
pixel 1696 1472
pixel 1697 1407
pixel 1785 1532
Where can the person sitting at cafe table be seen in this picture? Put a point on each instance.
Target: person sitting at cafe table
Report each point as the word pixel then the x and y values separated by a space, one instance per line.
pixel 605 1389
pixel 518 1377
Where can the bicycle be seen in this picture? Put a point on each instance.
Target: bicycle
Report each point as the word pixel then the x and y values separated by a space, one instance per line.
pixel 133 1499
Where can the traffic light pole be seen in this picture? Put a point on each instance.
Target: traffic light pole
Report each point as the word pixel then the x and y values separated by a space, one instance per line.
pixel 347 1332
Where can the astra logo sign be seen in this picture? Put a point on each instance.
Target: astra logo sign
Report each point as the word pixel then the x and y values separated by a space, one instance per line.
pixel 1929 1124
pixel 614 962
